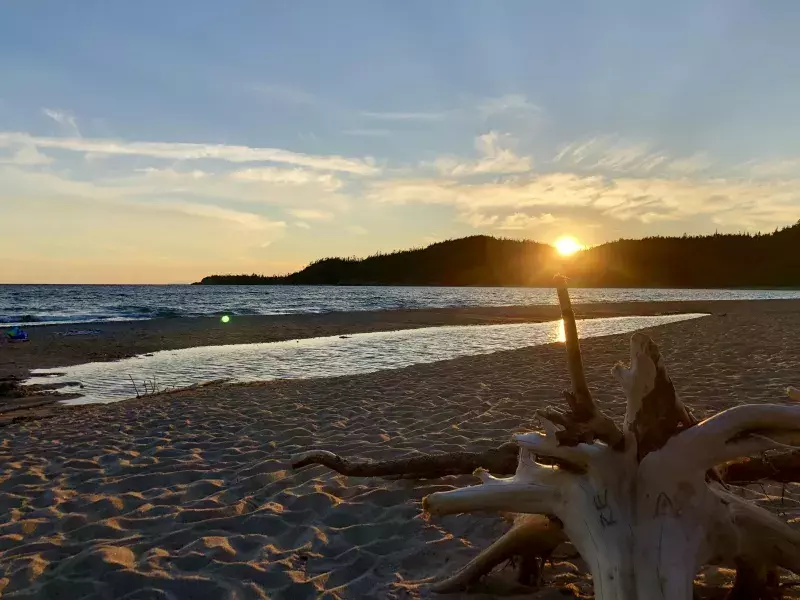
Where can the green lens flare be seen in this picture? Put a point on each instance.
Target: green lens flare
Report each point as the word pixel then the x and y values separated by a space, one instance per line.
pixel 225 318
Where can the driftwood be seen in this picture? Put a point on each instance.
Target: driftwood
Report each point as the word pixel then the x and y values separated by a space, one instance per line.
pixel 646 505
pixel 532 537
pixel 497 460
pixel 780 468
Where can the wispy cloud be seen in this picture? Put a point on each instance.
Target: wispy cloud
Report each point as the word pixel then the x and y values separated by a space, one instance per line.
pixel 614 154
pixel 518 221
pixel 192 151
pixel 787 167
pixel 310 214
pixel 288 176
pixel 749 204
pixel 25 155
pixel 474 109
pixel 20 183
pixel 244 219
pixel 509 103
pixel 280 188
pixel 497 157
pixel 610 153
pixel 65 119
pixel 691 165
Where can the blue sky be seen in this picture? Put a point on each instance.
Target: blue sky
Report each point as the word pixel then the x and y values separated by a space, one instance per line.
pixel 162 141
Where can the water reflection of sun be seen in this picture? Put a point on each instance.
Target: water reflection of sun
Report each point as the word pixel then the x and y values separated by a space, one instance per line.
pixel 561 335
pixel 567 245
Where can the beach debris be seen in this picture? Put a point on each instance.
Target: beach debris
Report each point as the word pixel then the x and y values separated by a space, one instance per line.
pixel 645 504
pixel 15 334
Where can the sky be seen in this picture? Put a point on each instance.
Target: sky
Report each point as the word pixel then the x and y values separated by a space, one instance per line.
pixel 156 142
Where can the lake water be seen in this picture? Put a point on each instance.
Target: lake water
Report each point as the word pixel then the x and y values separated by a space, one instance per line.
pixel 321 357
pixel 32 304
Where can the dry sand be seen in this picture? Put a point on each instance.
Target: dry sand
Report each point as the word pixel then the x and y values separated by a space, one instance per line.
pixel 190 495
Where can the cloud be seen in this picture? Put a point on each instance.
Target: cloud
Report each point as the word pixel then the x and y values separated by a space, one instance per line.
pixel 740 202
pixel 150 190
pixel 64 119
pixel 610 153
pixel 269 186
pixel 192 151
pixel 23 184
pixel 497 156
pixel 26 155
pixel 310 214
pixel 512 222
pixel 244 219
pixel 287 177
pixel 302 225
pixel 357 230
pixel 776 168
pixel 522 221
pixel 691 165
pixel 509 103
pixel 515 105
pixel 614 154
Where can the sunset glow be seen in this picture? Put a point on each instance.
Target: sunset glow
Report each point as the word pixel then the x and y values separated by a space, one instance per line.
pixel 567 245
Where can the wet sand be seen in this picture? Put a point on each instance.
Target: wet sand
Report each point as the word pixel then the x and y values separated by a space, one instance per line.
pixel 49 347
pixel 190 494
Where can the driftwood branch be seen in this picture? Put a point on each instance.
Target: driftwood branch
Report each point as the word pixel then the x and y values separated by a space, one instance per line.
pixel 654 412
pixel 580 399
pixel 530 536
pixel 781 468
pixel 584 422
pixel 501 460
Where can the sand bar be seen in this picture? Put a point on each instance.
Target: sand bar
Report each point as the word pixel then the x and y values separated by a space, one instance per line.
pixel 50 348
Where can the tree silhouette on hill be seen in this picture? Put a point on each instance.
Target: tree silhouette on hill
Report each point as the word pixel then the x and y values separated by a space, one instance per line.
pixel 719 260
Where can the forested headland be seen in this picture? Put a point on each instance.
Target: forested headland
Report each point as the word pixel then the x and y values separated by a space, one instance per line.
pixel 719 260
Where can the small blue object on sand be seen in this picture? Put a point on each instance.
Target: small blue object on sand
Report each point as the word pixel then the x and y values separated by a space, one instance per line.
pixel 16 334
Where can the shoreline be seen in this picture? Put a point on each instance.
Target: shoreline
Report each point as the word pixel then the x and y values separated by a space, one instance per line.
pixel 49 348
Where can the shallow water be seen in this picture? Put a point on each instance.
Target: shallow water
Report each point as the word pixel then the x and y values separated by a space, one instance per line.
pixel 324 356
pixel 38 304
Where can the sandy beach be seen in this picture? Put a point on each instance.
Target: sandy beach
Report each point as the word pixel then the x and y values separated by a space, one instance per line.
pixel 190 494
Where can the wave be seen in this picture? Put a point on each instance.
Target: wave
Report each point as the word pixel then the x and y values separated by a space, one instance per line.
pixel 149 312
pixel 115 314
pixel 38 320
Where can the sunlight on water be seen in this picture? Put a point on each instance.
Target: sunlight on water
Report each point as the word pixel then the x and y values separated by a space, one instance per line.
pixel 562 335
pixel 325 356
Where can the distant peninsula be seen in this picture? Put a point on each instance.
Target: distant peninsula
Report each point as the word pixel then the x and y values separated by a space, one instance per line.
pixel 713 261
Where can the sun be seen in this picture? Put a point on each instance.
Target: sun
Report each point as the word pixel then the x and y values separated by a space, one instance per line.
pixel 567 245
